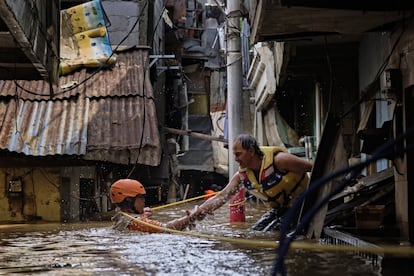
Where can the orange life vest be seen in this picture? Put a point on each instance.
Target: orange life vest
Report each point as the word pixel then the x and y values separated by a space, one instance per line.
pixel 122 222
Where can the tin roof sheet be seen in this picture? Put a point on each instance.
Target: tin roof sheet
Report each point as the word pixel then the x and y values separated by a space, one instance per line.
pixel 110 117
pixel 129 76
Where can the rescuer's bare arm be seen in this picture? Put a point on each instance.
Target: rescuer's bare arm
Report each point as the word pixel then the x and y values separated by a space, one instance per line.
pixel 180 223
pixel 287 162
pixel 218 200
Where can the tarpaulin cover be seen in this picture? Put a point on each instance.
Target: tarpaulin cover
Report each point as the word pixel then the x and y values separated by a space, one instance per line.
pixel 84 38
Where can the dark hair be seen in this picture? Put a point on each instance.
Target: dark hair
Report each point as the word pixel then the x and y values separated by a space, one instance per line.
pixel 249 142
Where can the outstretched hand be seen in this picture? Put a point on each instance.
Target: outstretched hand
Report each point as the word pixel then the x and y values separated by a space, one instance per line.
pixel 147 212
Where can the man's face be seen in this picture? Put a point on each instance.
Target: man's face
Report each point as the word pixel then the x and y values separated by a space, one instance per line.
pixel 139 203
pixel 241 155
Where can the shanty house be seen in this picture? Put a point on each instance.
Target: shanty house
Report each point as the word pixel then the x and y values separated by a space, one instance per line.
pixel 60 154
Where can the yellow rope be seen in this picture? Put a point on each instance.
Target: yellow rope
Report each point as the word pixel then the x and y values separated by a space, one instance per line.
pixel 192 199
pixel 183 201
pixel 392 250
pixel 237 203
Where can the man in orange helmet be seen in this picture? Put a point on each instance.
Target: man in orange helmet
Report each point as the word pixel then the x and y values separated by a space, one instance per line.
pixel 129 197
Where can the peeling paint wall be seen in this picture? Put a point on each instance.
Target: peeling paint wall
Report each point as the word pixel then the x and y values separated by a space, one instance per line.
pixel 49 194
pixel 39 199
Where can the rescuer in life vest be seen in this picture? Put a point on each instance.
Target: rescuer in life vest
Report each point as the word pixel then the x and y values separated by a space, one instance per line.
pixel 269 173
pixel 129 196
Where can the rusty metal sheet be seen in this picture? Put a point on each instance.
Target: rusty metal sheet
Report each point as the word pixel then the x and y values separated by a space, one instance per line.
pixel 122 130
pixel 44 128
pixel 129 76
pixel 111 117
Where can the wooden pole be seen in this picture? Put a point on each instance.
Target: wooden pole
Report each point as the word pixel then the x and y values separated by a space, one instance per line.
pixel 195 134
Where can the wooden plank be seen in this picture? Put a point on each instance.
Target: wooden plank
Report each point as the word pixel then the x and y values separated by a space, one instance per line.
pixel 195 134
pixel 29 32
pixel 330 157
pixel 370 180
pixel 14 26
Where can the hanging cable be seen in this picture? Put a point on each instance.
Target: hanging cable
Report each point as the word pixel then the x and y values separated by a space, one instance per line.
pixel 377 75
pixel 97 70
pixel 143 90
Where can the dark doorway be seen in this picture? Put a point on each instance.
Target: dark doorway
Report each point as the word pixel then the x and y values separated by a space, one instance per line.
pixel 65 199
pixel 87 203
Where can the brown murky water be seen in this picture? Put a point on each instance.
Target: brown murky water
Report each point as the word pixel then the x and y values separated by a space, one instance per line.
pixel 96 249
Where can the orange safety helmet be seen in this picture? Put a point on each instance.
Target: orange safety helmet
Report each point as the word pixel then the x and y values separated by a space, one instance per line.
pixel 209 193
pixel 124 188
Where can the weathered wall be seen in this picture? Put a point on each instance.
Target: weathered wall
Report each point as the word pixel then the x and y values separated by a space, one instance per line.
pixel 123 15
pixel 375 49
pixel 403 58
pixel 49 194
pixel 73 189
pixel 40 198
pixel 403 55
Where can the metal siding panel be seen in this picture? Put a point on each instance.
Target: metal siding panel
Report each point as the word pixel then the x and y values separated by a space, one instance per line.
pixel 116 128
pixel 105 122
pixel 128 77
pixel 44 128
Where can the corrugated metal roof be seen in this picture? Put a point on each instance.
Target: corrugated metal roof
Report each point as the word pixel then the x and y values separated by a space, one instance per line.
pixel 44 127
pixel 105 121
pixel 117 127
pixel 128 77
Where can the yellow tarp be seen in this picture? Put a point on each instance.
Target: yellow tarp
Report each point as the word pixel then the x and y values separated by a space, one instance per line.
pixel 84 39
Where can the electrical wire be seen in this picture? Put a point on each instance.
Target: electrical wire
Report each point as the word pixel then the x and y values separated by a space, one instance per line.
pixel 143 91
pixel 378 74
pixel 102 66
pixel 284 240
pixel 97 70
pixel 331 74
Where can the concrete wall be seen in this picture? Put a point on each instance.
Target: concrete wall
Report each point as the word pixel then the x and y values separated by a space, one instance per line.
pixel 40 198
pixel 74 175
pixel 123 15
pixel 49 194
pixel 403 55
pixel 403 58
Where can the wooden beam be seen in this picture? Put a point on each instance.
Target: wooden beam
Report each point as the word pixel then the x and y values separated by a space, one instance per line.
pixel 28 34
pixel 19 35
pixel 369 180
pixel 330 157
pixel 195 134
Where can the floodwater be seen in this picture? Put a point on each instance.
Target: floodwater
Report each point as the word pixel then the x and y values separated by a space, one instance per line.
pixel 94 248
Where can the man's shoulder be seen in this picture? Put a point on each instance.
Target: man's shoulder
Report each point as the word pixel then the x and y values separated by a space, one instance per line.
pixel 272 149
